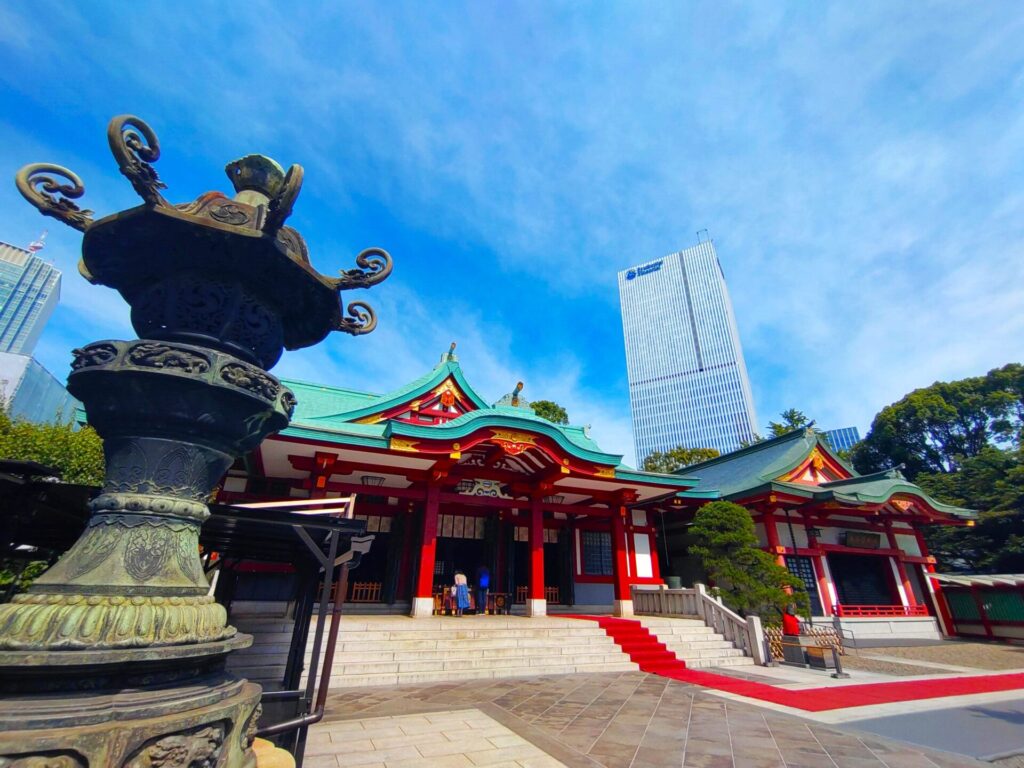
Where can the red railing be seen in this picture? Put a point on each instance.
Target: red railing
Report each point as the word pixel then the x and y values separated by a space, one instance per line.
pixel 879 611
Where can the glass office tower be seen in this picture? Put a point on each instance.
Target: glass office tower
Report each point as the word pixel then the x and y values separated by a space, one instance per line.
pixel 688 383
pixel 29 292
pixel 842 439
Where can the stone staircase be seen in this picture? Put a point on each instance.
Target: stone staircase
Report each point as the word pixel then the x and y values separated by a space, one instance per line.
pixel 394 650
pixel 694 643
pixel 390 650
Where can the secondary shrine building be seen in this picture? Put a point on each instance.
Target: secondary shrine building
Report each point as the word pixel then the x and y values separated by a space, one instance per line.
pixel 447 482
pixel 855 541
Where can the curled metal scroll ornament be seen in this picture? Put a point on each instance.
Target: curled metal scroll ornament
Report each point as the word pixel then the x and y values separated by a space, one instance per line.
pixel 134 157
pixel 280 207
pixel 38 185
pixel 375 267
pixel 362 319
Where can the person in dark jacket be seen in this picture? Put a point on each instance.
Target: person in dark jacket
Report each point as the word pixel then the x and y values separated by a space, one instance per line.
pixel 483 585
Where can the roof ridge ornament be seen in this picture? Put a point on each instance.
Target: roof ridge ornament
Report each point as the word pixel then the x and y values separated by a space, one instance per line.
pixel 449 356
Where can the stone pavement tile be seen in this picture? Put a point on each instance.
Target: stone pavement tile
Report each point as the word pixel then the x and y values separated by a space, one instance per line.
pixel 329 747
pixel 707 761
pixel 489 757
pixel 857 762
pixel 700 746
pixel 393 754
pixel 540 761
pixel 447 761
pixel 321 761
pixel 403 740
pixel 758 762
pixel 439 749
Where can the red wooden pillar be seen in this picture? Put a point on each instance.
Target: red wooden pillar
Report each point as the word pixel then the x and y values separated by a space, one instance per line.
pixel 908 588
pixel 423 598
pixel 620 571
pixel 945 618
pixel 536 604
pixel 772 534
pixel 819 574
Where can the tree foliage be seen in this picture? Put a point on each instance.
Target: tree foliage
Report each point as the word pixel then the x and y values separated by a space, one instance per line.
pixel 992 483
pixel 77 453
pixel 677 458
pixel 936 428
pixel 961 441
pixel 551 411
pixel 748 578
pixel 791 419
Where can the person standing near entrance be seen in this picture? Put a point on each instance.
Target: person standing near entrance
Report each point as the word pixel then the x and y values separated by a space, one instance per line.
pixel 483 585
pixel 461 593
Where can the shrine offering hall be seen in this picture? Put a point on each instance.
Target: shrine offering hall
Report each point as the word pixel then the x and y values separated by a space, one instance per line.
pixel 449 483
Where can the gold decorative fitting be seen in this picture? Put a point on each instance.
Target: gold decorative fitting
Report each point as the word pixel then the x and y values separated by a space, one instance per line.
pixel 506 436
pixel 608 472
pixel 817 461
pixel 401 444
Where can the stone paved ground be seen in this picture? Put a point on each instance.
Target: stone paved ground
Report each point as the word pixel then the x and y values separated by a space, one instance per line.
pixel 963 653
pixel 627 720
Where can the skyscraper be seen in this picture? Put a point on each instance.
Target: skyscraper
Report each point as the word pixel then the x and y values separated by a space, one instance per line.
pixel 842 439
pixel 29 291
pixel 688 383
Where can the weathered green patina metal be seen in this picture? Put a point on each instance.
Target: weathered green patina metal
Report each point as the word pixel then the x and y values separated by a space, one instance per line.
pixel 123 625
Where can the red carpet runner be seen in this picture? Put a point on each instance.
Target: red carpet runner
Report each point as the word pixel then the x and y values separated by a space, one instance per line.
pixel 652 656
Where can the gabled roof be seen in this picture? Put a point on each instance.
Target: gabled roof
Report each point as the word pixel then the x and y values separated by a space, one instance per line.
pixel 336 405
pixel 345 416
pixel 764 467
pixel 757 465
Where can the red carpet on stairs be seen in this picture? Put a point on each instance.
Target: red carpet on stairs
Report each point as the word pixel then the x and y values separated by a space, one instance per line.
pixel 652 656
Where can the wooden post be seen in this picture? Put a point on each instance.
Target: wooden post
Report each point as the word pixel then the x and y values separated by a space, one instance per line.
pixel 423 598
pixel 536 604
pixel 772 535
pixel 941 609
pixel 623 598
pixel 908 588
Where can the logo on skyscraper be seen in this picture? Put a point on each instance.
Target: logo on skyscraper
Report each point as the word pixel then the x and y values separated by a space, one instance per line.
pixel 646 269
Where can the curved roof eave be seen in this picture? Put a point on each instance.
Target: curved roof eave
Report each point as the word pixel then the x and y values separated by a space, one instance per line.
pixel 470 422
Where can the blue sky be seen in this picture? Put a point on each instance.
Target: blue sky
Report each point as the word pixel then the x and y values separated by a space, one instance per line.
pixel 859 166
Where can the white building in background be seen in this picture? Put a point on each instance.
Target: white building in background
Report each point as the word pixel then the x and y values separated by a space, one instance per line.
pixel 32 393
pixel 688 382
pixel 29 292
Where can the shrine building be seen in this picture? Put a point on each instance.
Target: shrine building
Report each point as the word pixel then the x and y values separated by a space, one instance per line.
pixel 447 482
pixel 855 541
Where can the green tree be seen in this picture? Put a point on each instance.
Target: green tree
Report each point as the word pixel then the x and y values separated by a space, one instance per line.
pixel 934 429
pixel 551 411
pixel 791 419
pixel 76 453
pixel 962 442
pixel 748 578
pixel 992 483
pixel 669 461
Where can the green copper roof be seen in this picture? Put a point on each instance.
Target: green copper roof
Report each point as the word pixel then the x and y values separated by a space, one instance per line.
pixel 752 467
pixel 753 470
pixel 353 405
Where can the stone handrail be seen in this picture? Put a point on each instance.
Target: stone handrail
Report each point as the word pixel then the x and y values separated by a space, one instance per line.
pixel 746 634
